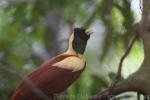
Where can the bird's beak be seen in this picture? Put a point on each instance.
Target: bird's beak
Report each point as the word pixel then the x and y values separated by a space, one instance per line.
pixel 89 31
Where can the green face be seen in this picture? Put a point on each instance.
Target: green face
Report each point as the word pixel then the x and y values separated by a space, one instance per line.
pixel 80 40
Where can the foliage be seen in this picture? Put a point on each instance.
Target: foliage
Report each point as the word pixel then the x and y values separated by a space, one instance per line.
pixel 31 31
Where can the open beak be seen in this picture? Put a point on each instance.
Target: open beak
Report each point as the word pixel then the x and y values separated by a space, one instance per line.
pixel 89 31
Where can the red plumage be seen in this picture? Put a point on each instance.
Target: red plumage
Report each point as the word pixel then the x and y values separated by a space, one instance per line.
pixel 45 81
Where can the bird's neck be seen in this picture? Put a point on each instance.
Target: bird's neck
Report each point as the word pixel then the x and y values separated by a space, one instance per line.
pixel 71 50
pixel 79 45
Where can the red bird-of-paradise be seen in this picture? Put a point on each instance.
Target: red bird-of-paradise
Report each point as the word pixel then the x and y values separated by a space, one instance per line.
pixel 58 73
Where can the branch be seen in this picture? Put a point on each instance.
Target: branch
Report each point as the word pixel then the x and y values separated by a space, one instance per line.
pixel 138 81
pixel 130 45
pixel 125 55
pixel 122 86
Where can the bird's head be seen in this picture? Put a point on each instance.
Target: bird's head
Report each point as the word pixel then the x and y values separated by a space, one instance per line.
pixel 79 39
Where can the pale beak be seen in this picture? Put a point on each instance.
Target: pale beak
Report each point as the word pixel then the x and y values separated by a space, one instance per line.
pixel 89 31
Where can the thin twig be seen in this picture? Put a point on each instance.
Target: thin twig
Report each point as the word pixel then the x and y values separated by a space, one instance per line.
pixel 126 54
pixel 146 97
pixel 118 76
pixel 138 96
pixel 140 5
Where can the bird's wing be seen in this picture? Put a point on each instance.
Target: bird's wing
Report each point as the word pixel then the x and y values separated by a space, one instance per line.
pixel 50 75
pixel 72 63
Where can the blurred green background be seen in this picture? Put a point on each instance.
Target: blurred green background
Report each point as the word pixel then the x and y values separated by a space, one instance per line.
pixel 31 31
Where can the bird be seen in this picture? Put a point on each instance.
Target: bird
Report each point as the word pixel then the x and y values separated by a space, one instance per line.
pixel 56 74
